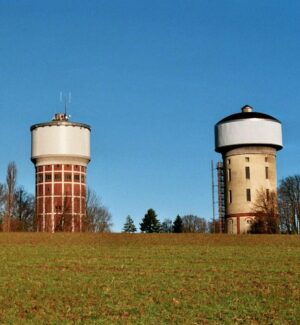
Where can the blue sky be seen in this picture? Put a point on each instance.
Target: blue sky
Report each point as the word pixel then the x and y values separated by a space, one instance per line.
pixel 151 78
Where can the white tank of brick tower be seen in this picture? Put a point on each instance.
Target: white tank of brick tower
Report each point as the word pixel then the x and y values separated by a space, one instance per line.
pixel 248 142
pixel 60 151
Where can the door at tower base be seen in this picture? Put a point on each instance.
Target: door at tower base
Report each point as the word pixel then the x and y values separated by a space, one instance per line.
pixel 240 223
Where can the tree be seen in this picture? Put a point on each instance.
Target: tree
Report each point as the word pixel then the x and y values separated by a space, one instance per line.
pixel 11 176
pixel 129 225
pixel 98 218
pixel 191 223
pixel 177 225
pixel 150 223
pixel 266 213
pixel 289 204
pixel 167 226
pixel 24 211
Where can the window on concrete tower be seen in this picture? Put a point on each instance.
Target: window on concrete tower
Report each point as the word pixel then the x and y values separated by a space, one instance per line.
pixel 230 196
pixel 247 172
pixel 248 194
pixel 267 172
pixel 229 175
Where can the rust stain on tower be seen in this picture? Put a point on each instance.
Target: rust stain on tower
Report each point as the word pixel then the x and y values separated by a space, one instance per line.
pixel 60 151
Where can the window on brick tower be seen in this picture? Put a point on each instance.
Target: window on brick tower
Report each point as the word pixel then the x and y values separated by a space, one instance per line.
pixel 68 177
pixel 82 178
pixel 48 177
pixel 40 178
pixel 76 178
pixel 57 177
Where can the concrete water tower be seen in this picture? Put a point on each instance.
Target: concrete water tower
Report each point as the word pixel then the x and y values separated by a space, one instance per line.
pixel 60 151
pixel 248 142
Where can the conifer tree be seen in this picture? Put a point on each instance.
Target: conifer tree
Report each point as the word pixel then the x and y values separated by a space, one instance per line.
pixel 150 223
pixel 178 225
pixel 129 225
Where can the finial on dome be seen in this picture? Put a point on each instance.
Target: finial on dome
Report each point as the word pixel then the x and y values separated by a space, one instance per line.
pixel 246 109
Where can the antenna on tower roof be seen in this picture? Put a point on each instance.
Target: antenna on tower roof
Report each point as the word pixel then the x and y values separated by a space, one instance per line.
pixel 67 101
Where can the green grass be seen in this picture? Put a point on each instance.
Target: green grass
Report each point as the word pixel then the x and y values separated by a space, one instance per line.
pixel 149 279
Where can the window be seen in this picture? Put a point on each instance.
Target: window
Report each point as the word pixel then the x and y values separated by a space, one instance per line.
pixel 76 178
pixel 230 196
pixel 247 159
pixel 266 159
pixel 267 172
pixel 57 177
pixel 268 194
pixel 229 175
pixel 228 161
pixel 48 177
pixel 68 177
pixel 82 178
pixel 40 178
pixel 247 172
pixel 248 194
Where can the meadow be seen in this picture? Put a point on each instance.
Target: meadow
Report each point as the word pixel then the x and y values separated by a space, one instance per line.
pixel 149 279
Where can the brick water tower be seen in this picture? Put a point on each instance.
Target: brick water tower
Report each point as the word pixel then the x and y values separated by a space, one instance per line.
pixel 60 151
pixel 248 142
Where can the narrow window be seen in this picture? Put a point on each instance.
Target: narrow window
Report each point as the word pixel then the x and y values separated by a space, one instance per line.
pixel 267 172
pixel 230 196
pixel 266 159
pixel 268 194
pixel 76 177
pixel 248 194
pixel 82 178
pixel 40 178
pixel 228 161
pixel 229 175
pixel 247 172
pixel 247 159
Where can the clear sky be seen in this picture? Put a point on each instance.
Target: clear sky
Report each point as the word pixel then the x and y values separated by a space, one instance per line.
pixel 151 78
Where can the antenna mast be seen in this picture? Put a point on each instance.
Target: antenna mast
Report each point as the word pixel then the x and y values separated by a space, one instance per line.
pixel 67 101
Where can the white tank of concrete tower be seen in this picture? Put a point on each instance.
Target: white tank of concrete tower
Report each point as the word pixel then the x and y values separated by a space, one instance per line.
pixel 60 138
pixel 248 128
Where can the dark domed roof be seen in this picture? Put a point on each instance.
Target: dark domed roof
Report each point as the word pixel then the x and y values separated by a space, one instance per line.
pixel 247 114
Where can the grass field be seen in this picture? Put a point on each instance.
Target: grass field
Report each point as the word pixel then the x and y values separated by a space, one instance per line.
pixel 149 279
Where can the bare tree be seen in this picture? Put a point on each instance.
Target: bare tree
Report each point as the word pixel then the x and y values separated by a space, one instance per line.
pixel 167 226
pixel 98 218
pixel 11 177
pixel 289 204
pixel 266 213
pixel 191 223
pixel 63 216
pixel 24 211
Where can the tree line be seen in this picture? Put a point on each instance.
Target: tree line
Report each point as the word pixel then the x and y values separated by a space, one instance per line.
pixel 185 224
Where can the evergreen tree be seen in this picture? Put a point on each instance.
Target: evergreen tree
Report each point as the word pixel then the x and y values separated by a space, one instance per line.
pixel 150 223
pixel 177 225
pixel 129 225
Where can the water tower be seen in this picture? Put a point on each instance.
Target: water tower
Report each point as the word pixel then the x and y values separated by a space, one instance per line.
pixel 248 142
pixel 60 151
